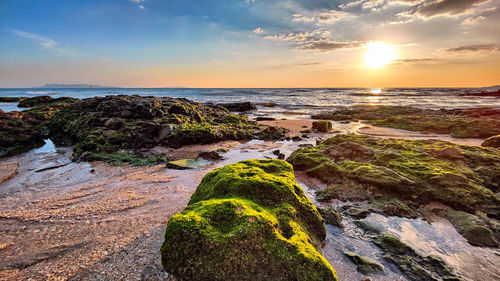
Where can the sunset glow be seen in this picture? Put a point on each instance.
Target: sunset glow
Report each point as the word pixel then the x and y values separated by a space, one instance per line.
pixel 379 54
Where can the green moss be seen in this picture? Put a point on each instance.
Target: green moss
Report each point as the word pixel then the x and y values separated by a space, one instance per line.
pixel 493 141
pixel 247 221
pixel 473 228
pixel 331 216
pixel 120 157
pixel 462 177
pixel 322 126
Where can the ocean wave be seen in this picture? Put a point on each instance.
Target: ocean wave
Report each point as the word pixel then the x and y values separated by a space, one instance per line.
pixel 41 93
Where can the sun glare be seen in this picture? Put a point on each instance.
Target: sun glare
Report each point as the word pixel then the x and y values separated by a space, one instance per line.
pixel 378 55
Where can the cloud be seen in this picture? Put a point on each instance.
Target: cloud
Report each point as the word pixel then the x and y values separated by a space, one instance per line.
pixel 258 30
pixel 416 61
pixel 445 7
pixel 317 40
pixel 475 48
pixel 328 45
pixel 332 16
pixel 302 18
pixel 42 41
pixel 139 3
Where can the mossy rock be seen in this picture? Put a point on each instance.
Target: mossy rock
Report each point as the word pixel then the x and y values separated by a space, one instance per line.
pixel 183 164
pixel 247 221
pixel 324 126
pixel 493 141
pixel 365 265
pixel 460 123
pixel 108 124
pixel 473 228
pixel 420 171
pixel 331 216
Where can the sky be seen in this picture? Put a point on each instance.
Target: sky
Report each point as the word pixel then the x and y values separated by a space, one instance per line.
pixel 249 43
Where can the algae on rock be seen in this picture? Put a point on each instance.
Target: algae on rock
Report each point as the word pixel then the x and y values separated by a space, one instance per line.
pixel 419 171
pixel 247 221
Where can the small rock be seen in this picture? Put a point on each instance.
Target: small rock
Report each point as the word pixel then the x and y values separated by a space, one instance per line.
pixel 331 216
pixel 262 118
pixel 322 126
pixel 239 106
pixel 365 264
pixel 492 142
pixel 183 164
pixel 296 138
pixel 212 155
pixel 280 155
pixel 165 131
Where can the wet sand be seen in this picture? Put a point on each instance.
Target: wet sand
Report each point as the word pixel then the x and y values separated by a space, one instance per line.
pixel 61 220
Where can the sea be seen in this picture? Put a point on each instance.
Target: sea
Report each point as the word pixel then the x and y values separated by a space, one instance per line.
pixel 299 103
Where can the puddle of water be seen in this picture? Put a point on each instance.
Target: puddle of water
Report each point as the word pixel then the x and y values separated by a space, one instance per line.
pixel 49 146
pixel 9 106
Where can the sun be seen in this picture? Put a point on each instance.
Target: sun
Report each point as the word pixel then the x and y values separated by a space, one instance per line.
pixel 379 54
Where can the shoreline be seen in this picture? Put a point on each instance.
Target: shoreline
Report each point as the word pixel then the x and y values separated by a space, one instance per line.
pixel 121 207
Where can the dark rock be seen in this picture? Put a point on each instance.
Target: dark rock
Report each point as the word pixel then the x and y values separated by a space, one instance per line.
pixel 10 99
pixel 493 141
pixel 483 94
pixel 267 104
pixel 212 155
pixel 331 216
pixel 322 126
pixel 30 102
pixel 19 132
pixel 280 155
pixel 165 131
pixel 238 106
pixel 296 138
pixel 262 118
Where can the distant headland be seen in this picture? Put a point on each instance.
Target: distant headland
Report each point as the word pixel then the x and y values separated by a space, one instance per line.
pixel 53 86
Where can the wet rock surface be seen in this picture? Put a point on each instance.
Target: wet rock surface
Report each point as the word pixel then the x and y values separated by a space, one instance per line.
pixel 247 221
pixel 416 266
pixel 459 123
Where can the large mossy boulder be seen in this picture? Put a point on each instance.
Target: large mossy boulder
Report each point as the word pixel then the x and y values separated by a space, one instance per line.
pixel 247 221
pixel 415 171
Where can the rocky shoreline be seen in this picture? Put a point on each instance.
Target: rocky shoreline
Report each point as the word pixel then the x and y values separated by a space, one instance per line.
pixel 265 216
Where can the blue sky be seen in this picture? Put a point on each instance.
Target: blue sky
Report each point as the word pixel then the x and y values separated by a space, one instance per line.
pixel 245 43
